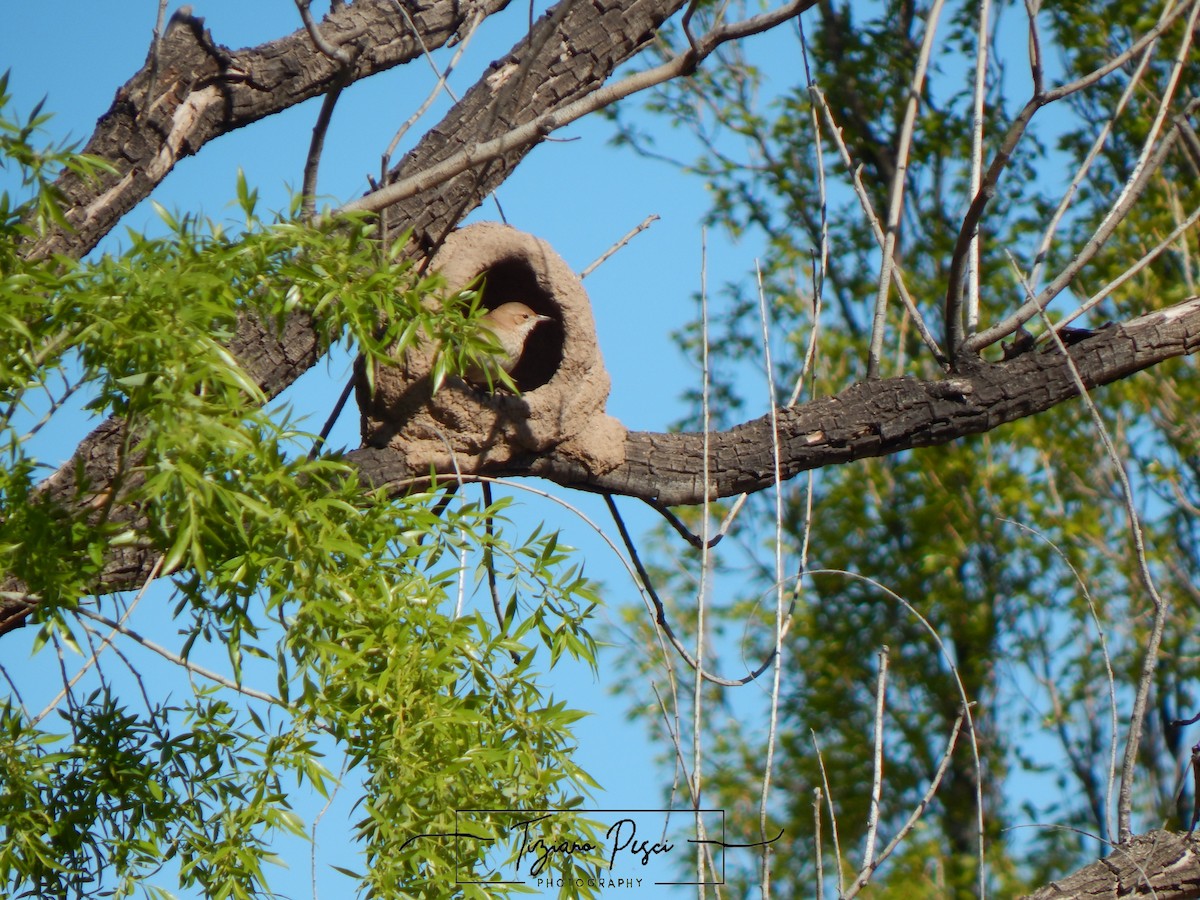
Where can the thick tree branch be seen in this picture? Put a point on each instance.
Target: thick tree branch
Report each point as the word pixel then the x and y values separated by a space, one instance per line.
pixel 571 51
pixel 194 90
pixel 1161 864
pixel 532 130
pixel 867 419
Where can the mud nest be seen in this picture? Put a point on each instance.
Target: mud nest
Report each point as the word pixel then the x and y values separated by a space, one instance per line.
pixel 561 375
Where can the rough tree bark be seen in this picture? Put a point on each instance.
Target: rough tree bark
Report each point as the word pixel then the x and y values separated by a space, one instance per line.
pixel 192 90
pixel 569 52
pixel 1159 864
pixel 870 418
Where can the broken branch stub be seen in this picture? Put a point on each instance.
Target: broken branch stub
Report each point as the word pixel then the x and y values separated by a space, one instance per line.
pixel 561 375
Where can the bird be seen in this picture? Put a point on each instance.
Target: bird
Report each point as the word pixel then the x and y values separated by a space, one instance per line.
pixel 510 323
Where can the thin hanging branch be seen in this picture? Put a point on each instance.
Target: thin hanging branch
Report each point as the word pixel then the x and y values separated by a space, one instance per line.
pixel 316 147
pixel 1159 605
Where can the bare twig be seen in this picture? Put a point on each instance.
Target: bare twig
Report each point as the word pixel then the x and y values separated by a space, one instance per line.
pixel 977 120
pixel 1129 273
pixel 705 559
pixel 1146 162
pixel 991 180
pixel 681 766
pixel 489 563
pixel 104 642
pixel 876 227
pixel 312 163
pixel 16 692
pixel 1036 304
pixel 155 45
pixel 342 57
pixel 682 530
pixel 537 129
pixel 56 403
pixel 1036 70
pixel 660 612
pixel 443 75
pixel 821 262
pixel 488 555
pixel 896 196
pixel 603 258
pixel 810 355
pixel 312 842
pixel 1064 204
pixel 1187 261
pixel 780 623
pixel 402 485
pixel 817 850
pixel 962 693
pixel 696 660
pixel 1119 61
pixel 190 666
pixel 332 419
pixel 339 55
pixel 674 727
pixel 837 844
pixel 915 816
pixel 685 26
pixel 930 792
pixel 877 764
pixel 970 226
pixel 52 346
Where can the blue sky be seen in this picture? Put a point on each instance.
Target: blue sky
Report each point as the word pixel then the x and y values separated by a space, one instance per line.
pixel 577 191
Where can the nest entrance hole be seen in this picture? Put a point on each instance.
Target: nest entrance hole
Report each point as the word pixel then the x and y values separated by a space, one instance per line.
pixel 513 279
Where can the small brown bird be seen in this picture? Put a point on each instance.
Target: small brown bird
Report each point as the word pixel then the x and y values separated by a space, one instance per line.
pixel 511 324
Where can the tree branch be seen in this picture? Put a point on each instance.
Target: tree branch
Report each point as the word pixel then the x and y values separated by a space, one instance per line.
pixel 275 357
pixel 1160 864
pixel 192 90
pixel 867 419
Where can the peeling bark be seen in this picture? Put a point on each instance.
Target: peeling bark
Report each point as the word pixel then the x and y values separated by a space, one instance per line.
pixel 1160 864
pixel 198 90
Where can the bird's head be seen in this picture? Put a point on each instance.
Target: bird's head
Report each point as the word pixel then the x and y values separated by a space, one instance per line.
pixel 511 323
